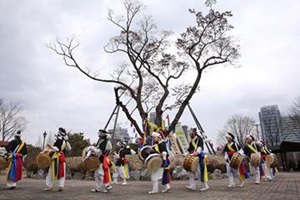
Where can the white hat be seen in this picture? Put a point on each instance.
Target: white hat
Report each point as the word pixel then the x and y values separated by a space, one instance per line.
pixel 155 134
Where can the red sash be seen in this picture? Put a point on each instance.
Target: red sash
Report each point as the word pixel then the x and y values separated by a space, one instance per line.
pixel 106 164
pixel 19 167
pixel 61 168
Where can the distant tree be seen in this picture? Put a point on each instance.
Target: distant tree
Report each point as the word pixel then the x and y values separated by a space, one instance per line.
pixel 295 108
pixel 10 119
pixel 294 118
pixel 30 160
pixel 78 143
pixel 155 75
pixel 273 130
pixel 239 126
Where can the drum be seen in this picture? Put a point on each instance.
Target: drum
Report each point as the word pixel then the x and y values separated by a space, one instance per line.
pixel 152 160
pixel 236 160
pixel 3 161
pixel 190 163
pixel 92 162
pixel 275 163
pixel 269 160
pixel 255 159
pixel 145 152
pixel 43 159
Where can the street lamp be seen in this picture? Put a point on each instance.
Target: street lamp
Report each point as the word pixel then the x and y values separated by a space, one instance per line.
pixel 44 135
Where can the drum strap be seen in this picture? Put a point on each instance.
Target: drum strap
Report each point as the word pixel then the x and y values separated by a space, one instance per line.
pixel 252 148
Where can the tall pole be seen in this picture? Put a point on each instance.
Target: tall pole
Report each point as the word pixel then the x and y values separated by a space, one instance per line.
pixel 44 138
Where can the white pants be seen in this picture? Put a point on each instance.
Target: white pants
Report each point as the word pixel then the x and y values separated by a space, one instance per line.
pixel 231 172
pixel 98 178
pixel 50 181
pixel 192 176
pixel 256 172
pixel 155 177
pixel 267 171
pixel 98 175
pixel 119 170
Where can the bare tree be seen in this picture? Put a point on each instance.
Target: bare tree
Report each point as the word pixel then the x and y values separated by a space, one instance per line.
pixel 294 118
pixel 273 130
pixel 10 119
pixel 239 126
pixel 154 77
pixel 295 108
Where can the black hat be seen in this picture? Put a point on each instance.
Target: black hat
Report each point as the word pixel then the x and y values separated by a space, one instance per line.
pixel 62 131
pixel 230 135
pixel 102 131
pixel 18 134
pixel 251 137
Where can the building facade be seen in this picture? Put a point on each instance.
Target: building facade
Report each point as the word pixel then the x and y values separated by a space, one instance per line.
pixel 270 121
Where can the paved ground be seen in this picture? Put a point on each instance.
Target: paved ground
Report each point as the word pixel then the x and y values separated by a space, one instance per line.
pixel 285 186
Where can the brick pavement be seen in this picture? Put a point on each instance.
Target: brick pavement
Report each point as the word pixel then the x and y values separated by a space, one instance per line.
pixel 285 186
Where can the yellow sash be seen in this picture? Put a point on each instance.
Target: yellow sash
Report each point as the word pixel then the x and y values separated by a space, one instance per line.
pixel 264 151
pixel 194 144
pixel 20 147
pixel 252 148
pixel 53 167
pixel 156 148
pixel 230 148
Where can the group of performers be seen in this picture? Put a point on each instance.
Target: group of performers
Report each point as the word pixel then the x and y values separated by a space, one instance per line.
pixel 258 167
pixel 16 150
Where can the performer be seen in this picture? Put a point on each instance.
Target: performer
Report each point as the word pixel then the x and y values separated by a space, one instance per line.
pixel 252 147
pixel 121 166
pixel 102 174
pixel 196 148
pixel 16 152
pixel 57 169
pixel 231 148
pixel 264 152
pixel 163 172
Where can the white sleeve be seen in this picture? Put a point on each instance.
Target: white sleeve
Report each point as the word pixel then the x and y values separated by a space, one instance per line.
pixel 199 150
pixel 55 149
pixel 241 151
pixel 108 146
pixel 132 152
pixel 68 146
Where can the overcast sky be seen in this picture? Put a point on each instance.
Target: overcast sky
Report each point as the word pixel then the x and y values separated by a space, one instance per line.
pixel 52 95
